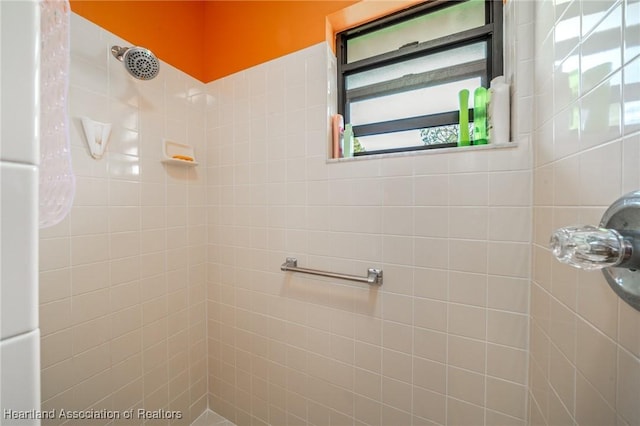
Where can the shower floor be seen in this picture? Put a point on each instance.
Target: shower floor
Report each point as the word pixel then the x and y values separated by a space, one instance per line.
pixel 211 418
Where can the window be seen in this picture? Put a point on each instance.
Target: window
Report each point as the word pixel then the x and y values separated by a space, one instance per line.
pixel 399 77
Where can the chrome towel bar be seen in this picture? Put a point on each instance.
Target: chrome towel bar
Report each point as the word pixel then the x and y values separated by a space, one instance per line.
pixel 374 276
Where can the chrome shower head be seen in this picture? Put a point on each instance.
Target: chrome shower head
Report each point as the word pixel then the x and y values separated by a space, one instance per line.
pixel 140 62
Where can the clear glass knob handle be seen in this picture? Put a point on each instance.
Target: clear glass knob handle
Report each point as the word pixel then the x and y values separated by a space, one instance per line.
pixel 588 247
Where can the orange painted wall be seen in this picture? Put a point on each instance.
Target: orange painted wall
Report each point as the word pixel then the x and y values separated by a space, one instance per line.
pixel 241 34
pixel 173 30
pixel 209 39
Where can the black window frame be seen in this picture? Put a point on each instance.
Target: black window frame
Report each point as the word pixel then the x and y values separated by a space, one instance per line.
pixel 491 32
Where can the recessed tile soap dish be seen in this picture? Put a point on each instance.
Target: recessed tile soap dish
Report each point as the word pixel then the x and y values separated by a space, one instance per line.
pixel 178 153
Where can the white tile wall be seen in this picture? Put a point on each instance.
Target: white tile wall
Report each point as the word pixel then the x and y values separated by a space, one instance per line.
pixel 18 185
pixel 20 378
pixel 123 277
pixel 18 94
pixel 19 333
pixel 443 341
pixel 583 361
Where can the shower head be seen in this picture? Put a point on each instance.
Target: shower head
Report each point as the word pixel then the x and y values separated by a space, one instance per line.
pixel 140 62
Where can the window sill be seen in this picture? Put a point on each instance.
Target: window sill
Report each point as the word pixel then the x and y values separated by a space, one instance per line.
pixel 435 151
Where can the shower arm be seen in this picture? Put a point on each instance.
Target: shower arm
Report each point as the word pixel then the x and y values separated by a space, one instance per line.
pixel 118 52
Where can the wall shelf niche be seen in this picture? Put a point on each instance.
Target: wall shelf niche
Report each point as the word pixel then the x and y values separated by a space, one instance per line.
pixel 178 153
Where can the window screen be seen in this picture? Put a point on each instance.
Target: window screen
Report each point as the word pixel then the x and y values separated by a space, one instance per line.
pixel 399 77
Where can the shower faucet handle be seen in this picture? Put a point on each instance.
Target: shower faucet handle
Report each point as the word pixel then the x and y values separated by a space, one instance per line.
pixel 613 247
pixel 588 247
